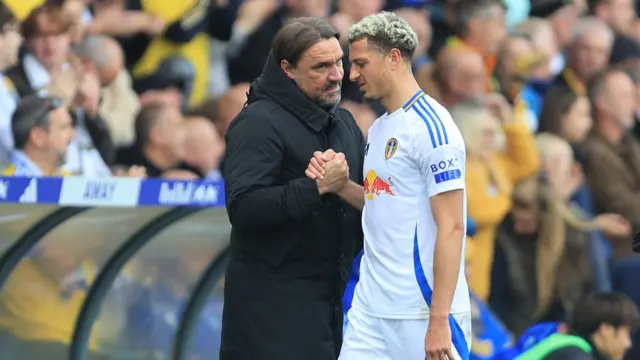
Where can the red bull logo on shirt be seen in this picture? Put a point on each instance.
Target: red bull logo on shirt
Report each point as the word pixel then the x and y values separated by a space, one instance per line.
pixel 374 185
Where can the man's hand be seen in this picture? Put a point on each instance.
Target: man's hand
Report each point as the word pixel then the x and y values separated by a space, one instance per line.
pixel 65 81
pixel 437 342
pixel 322 167
pixel 336 175
pixel 88 95
pixel 315 170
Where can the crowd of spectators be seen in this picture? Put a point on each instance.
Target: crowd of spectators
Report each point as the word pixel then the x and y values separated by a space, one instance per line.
pixel 545 92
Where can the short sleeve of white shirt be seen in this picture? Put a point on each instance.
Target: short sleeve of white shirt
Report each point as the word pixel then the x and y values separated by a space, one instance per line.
pixel 442 168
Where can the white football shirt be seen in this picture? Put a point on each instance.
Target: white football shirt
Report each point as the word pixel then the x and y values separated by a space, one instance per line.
pixel 412 154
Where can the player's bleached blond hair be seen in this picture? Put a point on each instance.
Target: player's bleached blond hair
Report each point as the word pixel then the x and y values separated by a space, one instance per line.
pixel 385 31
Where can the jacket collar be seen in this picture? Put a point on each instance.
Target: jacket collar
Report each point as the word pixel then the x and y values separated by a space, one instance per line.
pixel 274 84
pixel 617 148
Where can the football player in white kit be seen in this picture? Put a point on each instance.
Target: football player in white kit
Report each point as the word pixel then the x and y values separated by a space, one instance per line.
pixel 412 298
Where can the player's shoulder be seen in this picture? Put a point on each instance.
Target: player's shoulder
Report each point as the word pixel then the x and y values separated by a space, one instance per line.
pixel 429 111
pixel 432 121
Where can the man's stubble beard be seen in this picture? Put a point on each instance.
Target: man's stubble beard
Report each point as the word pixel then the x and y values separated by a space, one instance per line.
pixel 322 102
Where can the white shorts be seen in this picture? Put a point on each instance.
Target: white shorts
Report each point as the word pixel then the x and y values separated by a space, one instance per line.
pixel 372 338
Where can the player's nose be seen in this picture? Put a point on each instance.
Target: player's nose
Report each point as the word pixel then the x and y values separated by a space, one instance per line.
pixel 354 74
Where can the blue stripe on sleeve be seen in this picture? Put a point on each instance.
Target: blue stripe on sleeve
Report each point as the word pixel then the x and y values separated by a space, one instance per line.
pixel 434 114
pixel 429 124
pixel 457 335
pixel 432 117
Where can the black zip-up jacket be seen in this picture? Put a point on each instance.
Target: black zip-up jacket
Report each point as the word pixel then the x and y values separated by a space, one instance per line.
pixel 291 248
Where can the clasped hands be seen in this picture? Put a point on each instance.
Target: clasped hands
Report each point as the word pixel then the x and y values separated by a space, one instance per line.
pixel 330 170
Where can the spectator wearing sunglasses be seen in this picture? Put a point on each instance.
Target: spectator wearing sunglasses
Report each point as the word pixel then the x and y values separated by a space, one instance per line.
pixel 42 130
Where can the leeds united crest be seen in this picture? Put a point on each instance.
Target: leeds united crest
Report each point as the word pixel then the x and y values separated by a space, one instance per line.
pixel 392 146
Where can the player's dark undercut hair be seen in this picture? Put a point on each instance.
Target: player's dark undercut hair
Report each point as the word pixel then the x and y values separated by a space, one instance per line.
pixel 386 31
pixel 298 36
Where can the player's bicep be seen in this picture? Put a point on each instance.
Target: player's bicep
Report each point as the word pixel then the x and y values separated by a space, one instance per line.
pixel 443 169
pixel 448 209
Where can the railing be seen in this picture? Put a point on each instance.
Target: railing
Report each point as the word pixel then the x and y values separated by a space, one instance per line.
pixel 116 268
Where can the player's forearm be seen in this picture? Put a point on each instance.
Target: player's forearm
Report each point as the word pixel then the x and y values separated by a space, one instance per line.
pixel 446 268
pixel 353 194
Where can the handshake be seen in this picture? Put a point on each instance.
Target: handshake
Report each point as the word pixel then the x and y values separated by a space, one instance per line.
pixel 330 170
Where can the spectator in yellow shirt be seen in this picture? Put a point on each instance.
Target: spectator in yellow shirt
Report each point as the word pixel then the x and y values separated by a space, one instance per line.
pixel 500 152
pixel 42 130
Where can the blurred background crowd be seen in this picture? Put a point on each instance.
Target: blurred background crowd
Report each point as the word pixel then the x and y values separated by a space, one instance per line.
pixel 545 92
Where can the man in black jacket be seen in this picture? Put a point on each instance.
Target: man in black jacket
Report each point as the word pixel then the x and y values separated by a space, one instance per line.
pixel 293 238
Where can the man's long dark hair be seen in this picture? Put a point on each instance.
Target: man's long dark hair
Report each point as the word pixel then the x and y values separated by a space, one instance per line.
pixel 298 36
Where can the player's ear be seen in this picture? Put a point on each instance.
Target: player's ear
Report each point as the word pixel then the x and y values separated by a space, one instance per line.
pixel 287 68
pixel 395 58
